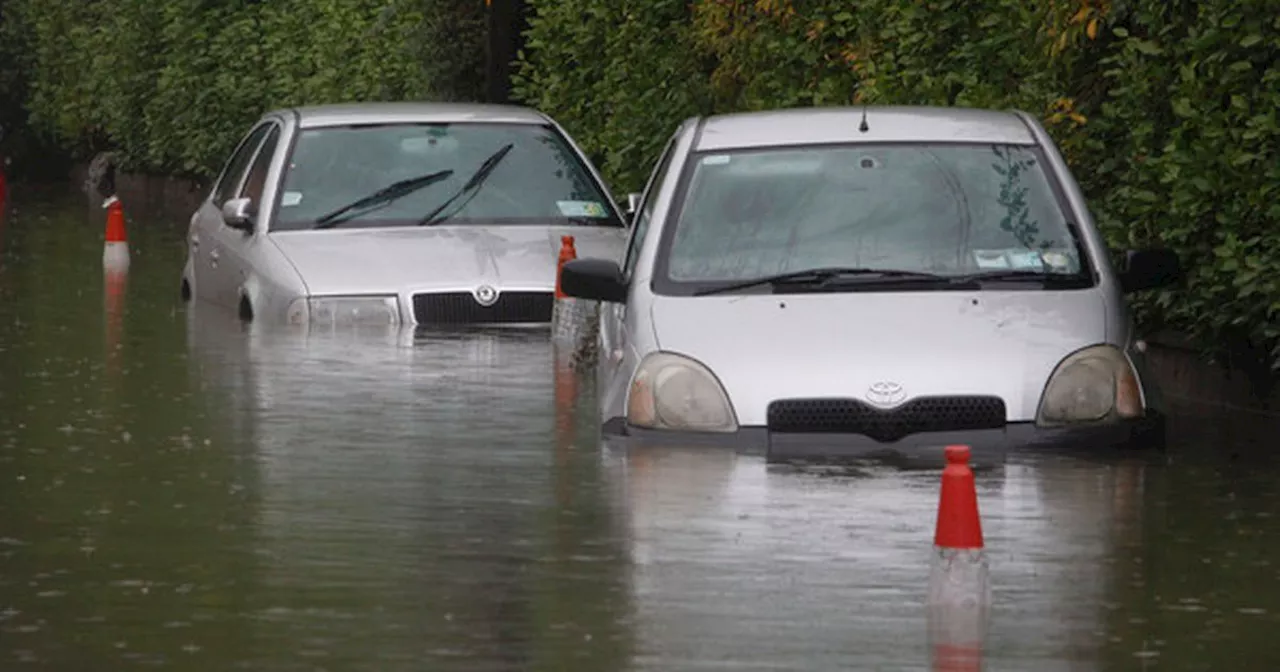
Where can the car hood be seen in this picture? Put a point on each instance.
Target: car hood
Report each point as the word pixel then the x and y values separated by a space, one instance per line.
pixel 401 261
pixel 767 347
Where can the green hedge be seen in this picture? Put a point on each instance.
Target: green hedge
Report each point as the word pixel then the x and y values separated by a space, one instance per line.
pixel 1166 109
pixel 172 85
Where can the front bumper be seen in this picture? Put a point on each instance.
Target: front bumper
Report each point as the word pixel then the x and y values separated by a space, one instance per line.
pixel 986 445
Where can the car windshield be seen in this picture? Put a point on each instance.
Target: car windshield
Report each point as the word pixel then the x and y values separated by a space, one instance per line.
pixel 539 180
pixel 945 210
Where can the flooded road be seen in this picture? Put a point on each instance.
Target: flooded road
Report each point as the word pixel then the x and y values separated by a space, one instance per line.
pixel 180 491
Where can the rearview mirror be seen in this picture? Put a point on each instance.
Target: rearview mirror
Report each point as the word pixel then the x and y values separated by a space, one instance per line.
pixel 238 214
pixel 1150 269
pixel 593 279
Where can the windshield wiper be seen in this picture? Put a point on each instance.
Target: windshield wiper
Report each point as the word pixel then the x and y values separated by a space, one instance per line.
pixel 1027 275
pixel 820 276
pixel 473 183
pixel 380 197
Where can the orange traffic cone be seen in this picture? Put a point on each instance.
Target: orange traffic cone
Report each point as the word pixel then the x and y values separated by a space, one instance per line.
pixel 959 525
pixel 566 314
pixel 959 586
pixel 115 251
pixel 567 253
pixel 566 378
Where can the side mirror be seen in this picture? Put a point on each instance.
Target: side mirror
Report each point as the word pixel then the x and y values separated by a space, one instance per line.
pixel 593 279
pixel 238 213
pixel 1150 269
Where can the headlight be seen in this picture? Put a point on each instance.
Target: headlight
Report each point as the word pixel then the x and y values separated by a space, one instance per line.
pixel 1091 385
pixel 671 391
pixel 346 310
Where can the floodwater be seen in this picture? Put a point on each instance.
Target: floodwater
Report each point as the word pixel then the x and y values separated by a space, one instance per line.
pixel 181 492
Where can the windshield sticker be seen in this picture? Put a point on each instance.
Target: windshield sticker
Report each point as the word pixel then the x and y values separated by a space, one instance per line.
pixel 716 160
pixel 1022 259
pixel 581 209
pixel 1056 260
pixel 290 199
pixel 991 258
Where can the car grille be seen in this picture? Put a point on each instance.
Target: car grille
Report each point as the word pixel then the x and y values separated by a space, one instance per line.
pixel 462 308
pixel 850 416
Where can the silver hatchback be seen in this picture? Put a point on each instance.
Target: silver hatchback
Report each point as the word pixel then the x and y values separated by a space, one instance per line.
pixel 831 281
pixel 398 213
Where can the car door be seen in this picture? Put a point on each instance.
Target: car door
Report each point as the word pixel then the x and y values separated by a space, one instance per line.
pixel 613 316
pixel 212 283
pixel 237 246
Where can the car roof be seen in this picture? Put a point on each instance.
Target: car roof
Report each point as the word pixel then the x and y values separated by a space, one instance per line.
pixel 886 123
pixel 382 113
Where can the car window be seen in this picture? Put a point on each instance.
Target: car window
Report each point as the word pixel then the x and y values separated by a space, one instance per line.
pixel 540 180
pixel 232 175
pixel 946 209
pixel 257 180
pixel 644 214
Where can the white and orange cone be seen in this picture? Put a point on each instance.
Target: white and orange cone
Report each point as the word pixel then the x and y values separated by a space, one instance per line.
pixel 571 318
pixel 959 580
pixel 115 251
pixel 563 327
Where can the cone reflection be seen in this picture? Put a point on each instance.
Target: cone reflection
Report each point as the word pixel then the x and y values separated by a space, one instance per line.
pixel 115 282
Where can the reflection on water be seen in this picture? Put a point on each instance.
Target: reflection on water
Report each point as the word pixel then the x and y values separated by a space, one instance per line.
pixel 409 501
pixel 179 489
pixel 764 567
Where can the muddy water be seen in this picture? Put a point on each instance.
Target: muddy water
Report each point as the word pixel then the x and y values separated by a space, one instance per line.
pixel 179 491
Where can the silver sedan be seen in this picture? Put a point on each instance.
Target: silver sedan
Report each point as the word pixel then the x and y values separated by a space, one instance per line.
pixel 398 213
pixel 853 280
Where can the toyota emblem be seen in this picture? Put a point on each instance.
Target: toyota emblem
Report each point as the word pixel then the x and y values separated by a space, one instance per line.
pixel 886 394
pixel 486 295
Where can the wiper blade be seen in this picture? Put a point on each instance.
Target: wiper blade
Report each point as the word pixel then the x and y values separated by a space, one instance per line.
pixel 473 183
pixel 1026 275
pixel 820 276
pixel 382 196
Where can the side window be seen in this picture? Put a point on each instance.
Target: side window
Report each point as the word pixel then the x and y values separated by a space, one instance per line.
pixel 234 172
pixel 257 180
pixel 645 213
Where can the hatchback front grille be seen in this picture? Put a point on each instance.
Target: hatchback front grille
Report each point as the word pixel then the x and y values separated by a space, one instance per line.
pixel 850 416
pixel 462 308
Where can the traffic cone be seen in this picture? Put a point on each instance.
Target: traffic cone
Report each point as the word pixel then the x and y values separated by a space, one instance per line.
pixel 959 525
pixel 115 252
pixel 567 253
pixel 959 582
pixel 566 317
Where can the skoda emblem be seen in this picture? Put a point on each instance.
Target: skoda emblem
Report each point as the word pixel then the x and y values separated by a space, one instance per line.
pixel 486 295
pixel 886 394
